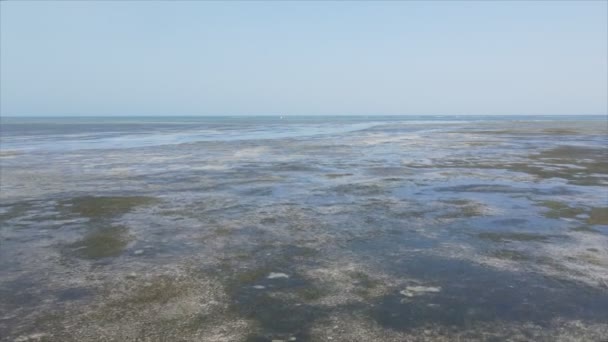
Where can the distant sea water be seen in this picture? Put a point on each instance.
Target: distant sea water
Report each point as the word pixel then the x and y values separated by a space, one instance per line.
pixel 304 228
pixel 135 131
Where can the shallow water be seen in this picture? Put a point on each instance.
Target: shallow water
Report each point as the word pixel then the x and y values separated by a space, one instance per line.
pixel 305 228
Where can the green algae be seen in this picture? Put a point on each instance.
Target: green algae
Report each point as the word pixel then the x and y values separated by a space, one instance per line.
pixel 310 293
pixel 561 210
pixel 102 243
pixel 128 297
pixel 99 207
pixel 163 308
pixel 464 212
pixel 359 189
pixel 502 131
pixel 456 201
pixel 480 143
pixel 365 284
pixel 587 258
pixel 49 320
pixel 598 216
pixel 10 153
pixel 392 179
pixel 222 231
pixel 337 175
pixel 463 209
pixel 592 160
pixel 554 205
pixel 513 236
pixel 587 166
pixel 160 290
pixel 364 279
pixel 589 175
pixel 584 229
pixel 530 130
pixel 560 131
pixel 510 254
pixel 196 323
pixel 572 152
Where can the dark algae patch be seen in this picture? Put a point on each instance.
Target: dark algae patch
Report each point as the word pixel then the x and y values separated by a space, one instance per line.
pixel 159 290
pixel 102 240
pixel 359 189
pixel 587 166
pixel 568 152
pixel 598 216
pixel 456 201
pixel 591 162
pixel 587 258
pixel 463 209
pixel 365 284
pixel 510 254
pixel 100 207
pixel 102 243
pixel 513 237
pixel 584 229
pixel 559 210
pixel 337 175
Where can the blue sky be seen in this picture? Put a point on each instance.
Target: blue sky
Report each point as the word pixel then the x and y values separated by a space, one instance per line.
pixel 317 58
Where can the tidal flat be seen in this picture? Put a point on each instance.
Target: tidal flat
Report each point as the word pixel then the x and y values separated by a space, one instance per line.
pixel 304 229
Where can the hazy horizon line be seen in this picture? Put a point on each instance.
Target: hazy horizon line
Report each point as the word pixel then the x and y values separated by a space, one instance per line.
pixel 275 115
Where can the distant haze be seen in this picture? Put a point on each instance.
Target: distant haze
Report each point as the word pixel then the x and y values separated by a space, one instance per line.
pixel 303 58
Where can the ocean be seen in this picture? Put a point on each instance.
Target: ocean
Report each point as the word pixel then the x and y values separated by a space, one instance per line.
pixel 304 228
